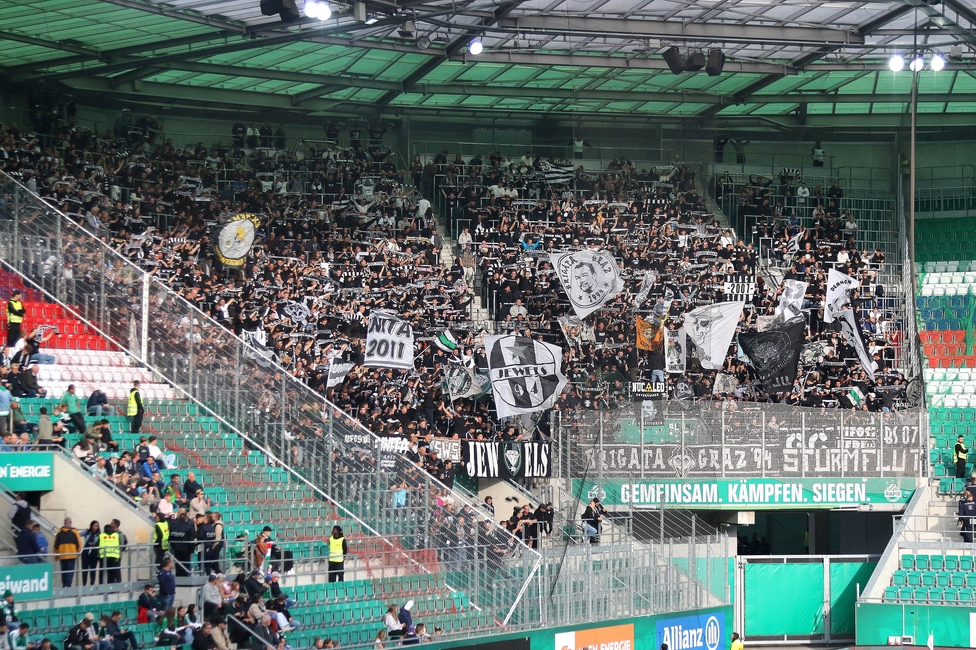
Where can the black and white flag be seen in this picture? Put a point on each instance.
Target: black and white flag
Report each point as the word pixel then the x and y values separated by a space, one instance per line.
pixel 526 375
pixel 389 342
pixel 460 382
pixel 645 289
pixel 711 328
pixel 556 173
pixel 774 353
pixel 258 351
pixel 838 287
pixel 739 288
pixel 446 341
pixel 590 279
pixel 791 300
pixel 337 373
pixel 675 343
pixel 793 245
pixel 850 325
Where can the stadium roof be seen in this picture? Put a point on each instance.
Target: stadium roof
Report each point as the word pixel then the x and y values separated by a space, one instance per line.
pixel 790 57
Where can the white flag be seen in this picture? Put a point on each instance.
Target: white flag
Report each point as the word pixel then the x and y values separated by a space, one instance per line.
pixel 791 300
pixel 389 342
pixel 645 289
pixel 590 279
pixel 674 350
pixel 838 286
pixel 711 328
pixel 851 328
pixel 526 375
pixel 793 245
pixel 337 373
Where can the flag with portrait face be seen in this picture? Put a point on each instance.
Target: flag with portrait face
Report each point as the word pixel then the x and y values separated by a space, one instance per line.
pixel 589 278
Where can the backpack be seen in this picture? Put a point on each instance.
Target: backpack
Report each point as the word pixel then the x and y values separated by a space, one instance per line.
pixel 22 516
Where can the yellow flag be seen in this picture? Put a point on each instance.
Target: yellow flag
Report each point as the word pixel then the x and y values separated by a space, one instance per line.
pixel 645 333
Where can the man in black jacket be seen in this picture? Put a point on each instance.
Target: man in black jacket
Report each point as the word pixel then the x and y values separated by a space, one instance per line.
pixel 78 638
pixel 121 639
pixel 252 586
pixel 182 535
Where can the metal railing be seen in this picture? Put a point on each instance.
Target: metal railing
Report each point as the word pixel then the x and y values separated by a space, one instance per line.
pixel 346 464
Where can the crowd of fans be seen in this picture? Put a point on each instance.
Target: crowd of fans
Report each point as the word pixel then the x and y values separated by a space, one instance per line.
pixel 345 231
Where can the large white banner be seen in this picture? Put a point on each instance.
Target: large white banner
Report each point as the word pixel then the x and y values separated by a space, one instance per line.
pixel 389 342
pixel 791 300
pixel 711 328
pixel 526 375
pixel 590 279
pixel 838 286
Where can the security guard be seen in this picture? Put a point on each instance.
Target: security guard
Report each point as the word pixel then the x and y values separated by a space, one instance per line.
pixel 736 642
pixel 161 537
pixel 110 551
pixel 967 515
pixel 337 555
pixel 959 456
pixel 206 536
pixel 15 318
pixel 182 535
pixel 135 408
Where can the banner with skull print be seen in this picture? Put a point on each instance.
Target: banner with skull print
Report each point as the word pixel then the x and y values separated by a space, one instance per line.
pixel 589 278
pixel 711 328
pixel 839 286
pixel 526 375
pixel 791 300
pixel 774 354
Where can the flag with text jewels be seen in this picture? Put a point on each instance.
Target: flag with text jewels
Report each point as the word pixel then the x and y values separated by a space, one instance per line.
pixel 850 325
pixel 389 342
pixel 774 353
pixel 507 460
pixel 711 328
pixel 589 278
pixel 526 375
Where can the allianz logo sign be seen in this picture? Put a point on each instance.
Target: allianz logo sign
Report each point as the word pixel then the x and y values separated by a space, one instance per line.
pixel 704 632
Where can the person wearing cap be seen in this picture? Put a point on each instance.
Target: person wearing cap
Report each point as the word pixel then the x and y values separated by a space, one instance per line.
pixel 135 408
pixel 67 548
pixel 220 635
pixel 410 638
pixel 274 584
pixel 15 317
pixel 213 600
pixel 338 549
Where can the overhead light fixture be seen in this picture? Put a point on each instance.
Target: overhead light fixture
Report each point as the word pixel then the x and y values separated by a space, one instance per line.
pixel 423 43
pixel 371 20
pixel 476 47
pixel 896 62
pixel 286 9
pixel 937 62
pixel 318 9
pixel 917 64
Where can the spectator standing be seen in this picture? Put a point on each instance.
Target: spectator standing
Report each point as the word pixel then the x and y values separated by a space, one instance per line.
pixel 15 317
pixel 20 511
pixel 67 548
pixel 73 403
pixel 91 560
pixel 818 154
pixel 213 600
pixel 135 408
pixel 45 430
pixel 41 539
pixel 167 584
pixel 338 549
pixel 27 546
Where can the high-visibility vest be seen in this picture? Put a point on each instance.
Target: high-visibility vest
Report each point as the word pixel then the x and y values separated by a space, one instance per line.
pixel 132 409
pixel 108 546
pixel 959 454
pixel 162 529
pixel 12 317
pixel 335 549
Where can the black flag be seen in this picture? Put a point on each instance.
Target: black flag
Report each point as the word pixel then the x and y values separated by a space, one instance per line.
pixel 774 354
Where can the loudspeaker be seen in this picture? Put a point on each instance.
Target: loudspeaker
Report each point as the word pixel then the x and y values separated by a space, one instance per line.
pixel 673 58
pixel 716 61
pixel 695 61
pixel 286 9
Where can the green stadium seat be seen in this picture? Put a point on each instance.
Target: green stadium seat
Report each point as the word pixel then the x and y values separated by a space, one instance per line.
pixel 943 579
pixel 907 561
pixel 922 562
pixel 936 562
pixel 966 563
pixel 928 578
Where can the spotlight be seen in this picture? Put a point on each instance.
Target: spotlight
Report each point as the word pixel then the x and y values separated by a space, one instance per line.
pixel 475 47
pixel 286 9
pixel 371 20
pixel 917 64
pixel 937 62
pixel 423 43
pixel 896 62
pixel 318 9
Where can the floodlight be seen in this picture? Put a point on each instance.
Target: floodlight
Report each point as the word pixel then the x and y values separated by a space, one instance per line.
pixel 917 64
pixel 318 9
pixel 896 62
pixel 475 47
pixel 937 62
